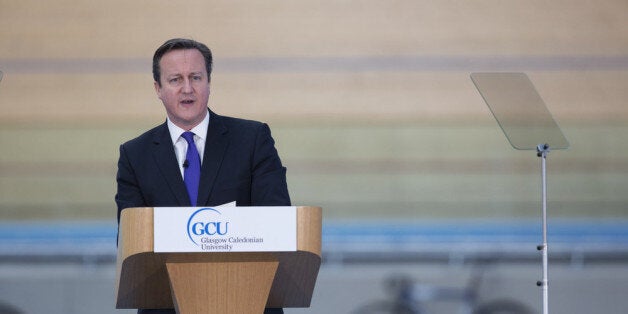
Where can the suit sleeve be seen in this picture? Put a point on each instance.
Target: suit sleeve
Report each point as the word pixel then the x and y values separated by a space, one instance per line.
pixel 128 193
pixel 268 181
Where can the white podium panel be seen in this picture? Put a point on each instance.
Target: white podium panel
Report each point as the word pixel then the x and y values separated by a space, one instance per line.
pixel 225 229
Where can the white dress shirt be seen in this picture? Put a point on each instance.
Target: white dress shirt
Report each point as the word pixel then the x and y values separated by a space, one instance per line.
pixel 181 145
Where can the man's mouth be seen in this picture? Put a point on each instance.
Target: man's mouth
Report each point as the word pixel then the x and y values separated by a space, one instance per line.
pixel 187 101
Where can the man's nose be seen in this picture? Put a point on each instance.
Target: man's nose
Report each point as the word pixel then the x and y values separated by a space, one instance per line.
pixel 187 86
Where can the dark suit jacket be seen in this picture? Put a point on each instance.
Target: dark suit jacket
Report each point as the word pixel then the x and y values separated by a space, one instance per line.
pixel 240 164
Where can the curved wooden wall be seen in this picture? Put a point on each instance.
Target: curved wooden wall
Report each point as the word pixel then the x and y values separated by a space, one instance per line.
pixel 370 101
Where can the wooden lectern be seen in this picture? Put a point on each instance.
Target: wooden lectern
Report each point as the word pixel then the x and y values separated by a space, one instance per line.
pixel 214 282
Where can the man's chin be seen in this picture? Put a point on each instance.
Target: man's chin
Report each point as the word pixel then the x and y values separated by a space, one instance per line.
pixel 187 122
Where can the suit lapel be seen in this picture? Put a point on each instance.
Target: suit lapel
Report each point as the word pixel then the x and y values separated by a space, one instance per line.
pixel 163 152
pixel 215 147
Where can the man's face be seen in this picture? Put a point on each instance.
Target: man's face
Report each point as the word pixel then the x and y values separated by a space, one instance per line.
pixel 184 88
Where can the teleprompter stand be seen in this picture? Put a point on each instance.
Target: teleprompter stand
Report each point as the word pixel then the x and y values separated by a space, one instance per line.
pixel 528 125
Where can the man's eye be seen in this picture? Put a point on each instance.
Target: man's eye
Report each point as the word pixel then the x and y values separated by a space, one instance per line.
pixel 197 78
pixel 174 80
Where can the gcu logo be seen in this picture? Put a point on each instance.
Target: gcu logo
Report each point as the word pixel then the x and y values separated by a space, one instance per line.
pixel 203 222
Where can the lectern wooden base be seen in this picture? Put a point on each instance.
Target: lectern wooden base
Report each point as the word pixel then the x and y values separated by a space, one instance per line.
pixel 237 286
pixel 214 282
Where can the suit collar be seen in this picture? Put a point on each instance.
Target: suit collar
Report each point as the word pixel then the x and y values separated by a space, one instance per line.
pixel 215 148
pixel 216 145
pixel 163 152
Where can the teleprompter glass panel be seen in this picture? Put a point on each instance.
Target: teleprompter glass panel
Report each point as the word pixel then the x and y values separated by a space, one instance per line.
pixel 519 110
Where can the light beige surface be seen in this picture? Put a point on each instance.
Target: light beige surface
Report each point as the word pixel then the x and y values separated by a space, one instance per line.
pixel 370 102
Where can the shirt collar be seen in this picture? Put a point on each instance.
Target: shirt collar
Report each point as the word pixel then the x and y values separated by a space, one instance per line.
pixel 200 130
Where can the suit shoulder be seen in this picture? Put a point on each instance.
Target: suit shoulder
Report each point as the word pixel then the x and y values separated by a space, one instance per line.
pixel 145 138
pixel 241 126
pixel 239 122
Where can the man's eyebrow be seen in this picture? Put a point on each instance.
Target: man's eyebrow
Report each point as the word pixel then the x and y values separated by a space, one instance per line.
pixel 180 74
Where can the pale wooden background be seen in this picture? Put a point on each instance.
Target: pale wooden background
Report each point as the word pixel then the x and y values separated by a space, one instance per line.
pixel 370 102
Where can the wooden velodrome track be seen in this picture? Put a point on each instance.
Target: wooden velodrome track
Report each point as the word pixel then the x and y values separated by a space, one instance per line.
pixel 370 102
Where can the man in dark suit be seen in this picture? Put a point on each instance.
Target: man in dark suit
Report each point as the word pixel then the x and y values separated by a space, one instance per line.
pixel 235 159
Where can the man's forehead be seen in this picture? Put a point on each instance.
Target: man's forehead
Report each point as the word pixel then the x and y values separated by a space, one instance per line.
pixel 190 60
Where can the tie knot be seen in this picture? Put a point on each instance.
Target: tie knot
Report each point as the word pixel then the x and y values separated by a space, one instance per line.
pixel 189 137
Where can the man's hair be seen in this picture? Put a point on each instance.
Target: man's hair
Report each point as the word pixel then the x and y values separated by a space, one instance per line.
pixel 178 44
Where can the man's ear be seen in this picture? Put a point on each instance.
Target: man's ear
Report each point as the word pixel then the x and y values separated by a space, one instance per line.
pixel 158 89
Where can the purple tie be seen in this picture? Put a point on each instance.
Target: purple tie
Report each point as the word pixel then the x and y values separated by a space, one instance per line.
pixel 191 168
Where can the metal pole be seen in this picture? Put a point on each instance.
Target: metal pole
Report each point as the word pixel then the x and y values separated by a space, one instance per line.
pixel 542 151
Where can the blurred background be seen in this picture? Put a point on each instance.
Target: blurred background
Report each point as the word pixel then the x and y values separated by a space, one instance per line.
pixel 376 119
